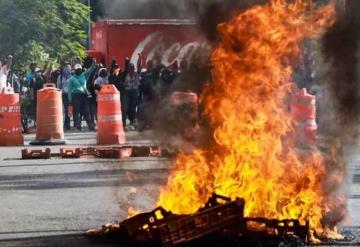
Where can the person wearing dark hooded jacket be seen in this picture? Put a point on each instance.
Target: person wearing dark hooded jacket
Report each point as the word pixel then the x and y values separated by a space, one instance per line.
pixel 117 78
pixel 132 83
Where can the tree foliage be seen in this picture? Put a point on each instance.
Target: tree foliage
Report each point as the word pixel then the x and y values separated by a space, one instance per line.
pixel 40 30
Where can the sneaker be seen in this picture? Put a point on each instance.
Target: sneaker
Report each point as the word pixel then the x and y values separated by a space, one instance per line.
pixel 132 127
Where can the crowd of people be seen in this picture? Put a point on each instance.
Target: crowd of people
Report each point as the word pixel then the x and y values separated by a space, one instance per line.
pixel 141 87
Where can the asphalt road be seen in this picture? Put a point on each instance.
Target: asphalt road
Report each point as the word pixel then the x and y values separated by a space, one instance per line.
pixel 52 202
pixel 69 196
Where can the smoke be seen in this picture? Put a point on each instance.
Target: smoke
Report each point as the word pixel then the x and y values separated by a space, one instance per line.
pixel 340 109
pixel 208 13
pixel 135 9
pixel 175 125
pixel 341 46
pixel 341 50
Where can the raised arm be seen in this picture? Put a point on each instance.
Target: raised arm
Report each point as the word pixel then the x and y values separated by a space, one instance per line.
pixel 9 62
pixel 89 71
pixel 126 66
pixel 7 65
pixel 139 63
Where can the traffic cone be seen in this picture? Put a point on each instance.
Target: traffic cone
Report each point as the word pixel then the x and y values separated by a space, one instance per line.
pixel 49 117
pixel 10 119
pixel 110 125
pixel 303 110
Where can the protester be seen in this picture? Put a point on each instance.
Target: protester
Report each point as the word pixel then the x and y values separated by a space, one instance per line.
pixel 132 82
pixel 167 78
pixel 4 72
pixel 78 95
pixel 117 78
pixel 35 82
pixel 62 84
pixel 102 79
pixel 31 74
pixel 15 82
pixel 90 85
pixel 147 95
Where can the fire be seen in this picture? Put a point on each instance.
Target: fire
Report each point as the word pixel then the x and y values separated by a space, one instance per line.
pixel 132 212
pixel 254 157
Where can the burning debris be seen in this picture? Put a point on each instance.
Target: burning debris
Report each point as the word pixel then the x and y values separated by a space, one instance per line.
pixel 219 216
pixel 254 156
pixel 285 191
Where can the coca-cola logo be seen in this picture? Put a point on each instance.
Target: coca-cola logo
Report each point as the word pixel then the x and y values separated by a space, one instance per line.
pixel 155 47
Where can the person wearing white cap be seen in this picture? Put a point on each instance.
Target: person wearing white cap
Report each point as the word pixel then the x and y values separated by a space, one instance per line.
pixel 78 93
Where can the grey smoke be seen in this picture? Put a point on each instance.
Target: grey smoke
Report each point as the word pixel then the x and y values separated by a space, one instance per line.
pixel 341 46
pixel 340 109
pixel 176 122
pixel 123 9
pixel 208 13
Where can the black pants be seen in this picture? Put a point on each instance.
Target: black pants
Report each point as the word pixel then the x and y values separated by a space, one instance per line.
pixel 93 109
pixel 65 101
pixel 123 107
pixel 132 98
pixel 81 108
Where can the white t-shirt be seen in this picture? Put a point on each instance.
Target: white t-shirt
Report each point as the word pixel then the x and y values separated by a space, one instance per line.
pixel 3 76
pixel 101 81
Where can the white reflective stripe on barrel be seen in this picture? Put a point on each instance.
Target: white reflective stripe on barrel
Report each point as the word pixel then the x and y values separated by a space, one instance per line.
pixel 114 97
pixel 305 101
pixel 307 122
pixel 112 118
pixel 10 130
pixel 14 108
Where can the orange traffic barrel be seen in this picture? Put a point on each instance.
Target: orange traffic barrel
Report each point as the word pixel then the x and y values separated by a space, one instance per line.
pixel 303 111
pixel 49 117
pixel 179 98
pixel 184 113
pixel 10 119
pixel 110 125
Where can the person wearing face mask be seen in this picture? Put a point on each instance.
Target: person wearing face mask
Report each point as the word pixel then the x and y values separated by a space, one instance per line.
pixel 102 79
pixel 78 95
pixel 62 84
pixel 132 83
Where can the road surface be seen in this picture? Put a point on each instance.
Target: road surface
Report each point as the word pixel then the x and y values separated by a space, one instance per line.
pixel 52 202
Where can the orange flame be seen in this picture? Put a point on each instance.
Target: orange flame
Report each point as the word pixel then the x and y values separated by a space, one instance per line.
pixel 245 104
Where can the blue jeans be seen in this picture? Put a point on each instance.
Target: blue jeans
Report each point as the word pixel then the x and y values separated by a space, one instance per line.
pixel 81 108
pixel 132 97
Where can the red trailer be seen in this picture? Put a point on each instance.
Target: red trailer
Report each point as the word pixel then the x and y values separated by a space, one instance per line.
pixel 173 40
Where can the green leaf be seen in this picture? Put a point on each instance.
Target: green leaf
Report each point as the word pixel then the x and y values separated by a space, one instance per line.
pixel 37 29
